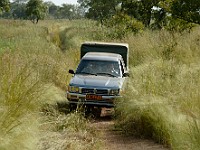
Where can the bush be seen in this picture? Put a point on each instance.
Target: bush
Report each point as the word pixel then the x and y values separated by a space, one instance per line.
pixel 178 25
pixel 121 24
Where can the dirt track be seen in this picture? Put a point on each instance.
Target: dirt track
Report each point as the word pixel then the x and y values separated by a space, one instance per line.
pixel 115 140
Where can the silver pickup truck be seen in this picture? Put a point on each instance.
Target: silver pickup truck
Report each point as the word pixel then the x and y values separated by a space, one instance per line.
pixel 100 75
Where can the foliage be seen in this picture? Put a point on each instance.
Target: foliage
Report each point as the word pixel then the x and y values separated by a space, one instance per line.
pixel 52 9
pixel 141 10
pixel 188 10
pixel 20 1
pixel 35 10
pixel 18 10
pixel 4 5
pixel 156 13
pixel 99 9
pixel 68 11
pixel 122 24
pixel 178 25
pixel 160 18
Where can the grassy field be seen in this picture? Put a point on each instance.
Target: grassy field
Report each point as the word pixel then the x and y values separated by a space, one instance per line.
pixel 33 81
pixel 161 100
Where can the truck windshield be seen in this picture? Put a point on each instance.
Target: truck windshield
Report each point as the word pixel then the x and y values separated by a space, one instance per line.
pixel 99 67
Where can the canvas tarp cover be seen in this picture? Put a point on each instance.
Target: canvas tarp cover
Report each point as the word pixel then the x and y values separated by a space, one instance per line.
pixel 118 48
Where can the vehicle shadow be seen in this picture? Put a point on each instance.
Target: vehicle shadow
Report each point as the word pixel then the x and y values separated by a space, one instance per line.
pixel 94 114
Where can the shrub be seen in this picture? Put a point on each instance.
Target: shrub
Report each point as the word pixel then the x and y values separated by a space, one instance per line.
pixel 121 24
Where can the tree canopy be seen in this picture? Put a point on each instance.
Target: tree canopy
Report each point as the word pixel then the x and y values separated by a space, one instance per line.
pixel 188 10
pixel 99 9
pixel 18 10
pixel 35 10
pixel 140 9
pixel 4 5
pixel 154 14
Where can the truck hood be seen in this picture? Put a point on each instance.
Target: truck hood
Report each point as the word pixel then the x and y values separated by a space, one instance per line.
pixel 96 81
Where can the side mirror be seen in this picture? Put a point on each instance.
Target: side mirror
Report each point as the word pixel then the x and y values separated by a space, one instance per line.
pixel 71 71
pixel 126 74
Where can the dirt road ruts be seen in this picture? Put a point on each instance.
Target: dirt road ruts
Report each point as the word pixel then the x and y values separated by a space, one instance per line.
pixel 115 140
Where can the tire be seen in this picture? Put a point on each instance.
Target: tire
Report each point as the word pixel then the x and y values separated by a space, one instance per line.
pixel 72 107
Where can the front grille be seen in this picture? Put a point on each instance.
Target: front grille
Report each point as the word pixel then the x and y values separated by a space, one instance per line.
pixel 87 91
pixel 94 91
pixel 102 91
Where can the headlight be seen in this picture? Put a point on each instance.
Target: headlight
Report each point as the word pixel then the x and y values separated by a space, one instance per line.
pixel 114 92
pixel 73 89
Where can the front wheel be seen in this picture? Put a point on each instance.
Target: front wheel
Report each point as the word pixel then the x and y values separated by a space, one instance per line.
pixel 72 107
pixel 94 111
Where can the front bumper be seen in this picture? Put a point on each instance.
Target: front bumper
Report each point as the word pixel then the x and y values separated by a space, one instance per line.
pixel 106 101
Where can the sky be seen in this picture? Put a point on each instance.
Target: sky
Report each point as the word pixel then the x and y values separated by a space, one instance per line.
pixel 60 2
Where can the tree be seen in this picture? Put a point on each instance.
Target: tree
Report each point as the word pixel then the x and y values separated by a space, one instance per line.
pixel 99 9
pixel 188 10
pixel 36 10
pixel 52 9
pixel 140 9
pixel 4 5
pixel 67 11
pixel 177 15
pixel 122 24
pixel 18 9
pixel 20 1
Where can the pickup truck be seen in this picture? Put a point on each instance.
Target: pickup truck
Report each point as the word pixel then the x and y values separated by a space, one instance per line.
pixel 100 76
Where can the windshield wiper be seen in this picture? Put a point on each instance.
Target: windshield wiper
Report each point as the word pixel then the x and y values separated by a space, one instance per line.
pixel 108 74
pixel 86 73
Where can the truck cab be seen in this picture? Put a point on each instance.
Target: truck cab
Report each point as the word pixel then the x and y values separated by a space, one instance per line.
pixel 100 75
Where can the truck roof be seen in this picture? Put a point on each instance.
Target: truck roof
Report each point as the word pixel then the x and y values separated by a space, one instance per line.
pixel 106 43
pixel 102 56
pixel 105 47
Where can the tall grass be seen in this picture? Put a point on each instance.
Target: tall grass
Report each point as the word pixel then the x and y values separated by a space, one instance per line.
pixel 67 131
pixel 19 100
pixel 34 73
pixel 162 99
